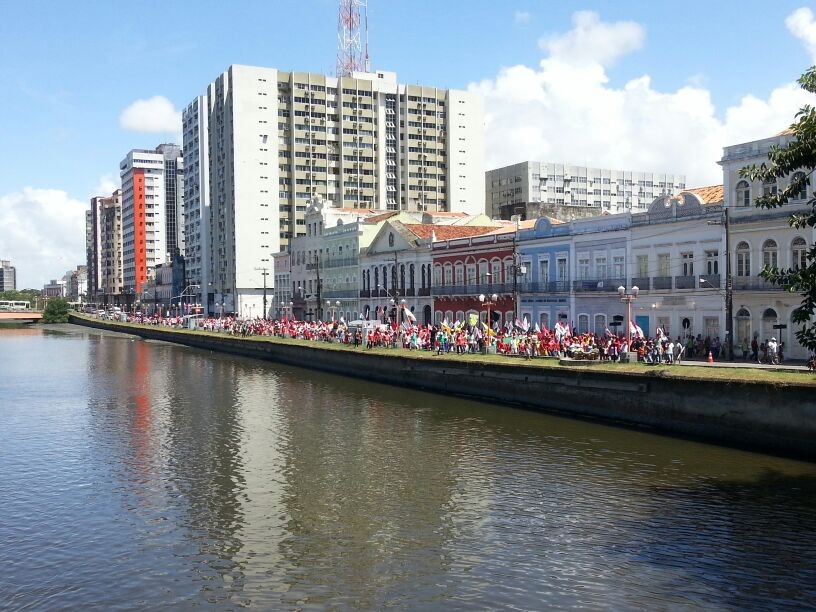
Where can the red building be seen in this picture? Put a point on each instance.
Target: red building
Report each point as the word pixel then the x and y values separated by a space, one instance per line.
pixel 465 268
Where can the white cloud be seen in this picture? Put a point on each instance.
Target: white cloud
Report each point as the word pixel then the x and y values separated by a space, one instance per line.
pixel 106 185
pixel 593 41
pixel 565 110
pixel 43 234
pixel 802 24
pixel 153 115
pixel 521 17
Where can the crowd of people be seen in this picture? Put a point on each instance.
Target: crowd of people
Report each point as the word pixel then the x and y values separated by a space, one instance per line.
pixel 467 338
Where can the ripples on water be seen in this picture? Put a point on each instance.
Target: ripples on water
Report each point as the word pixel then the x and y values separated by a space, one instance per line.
pixel 137 474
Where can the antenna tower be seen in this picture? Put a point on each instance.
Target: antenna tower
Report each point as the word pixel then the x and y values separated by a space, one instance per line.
pixel 352 37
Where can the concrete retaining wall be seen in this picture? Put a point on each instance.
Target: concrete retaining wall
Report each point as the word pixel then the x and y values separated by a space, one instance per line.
pixel 774 418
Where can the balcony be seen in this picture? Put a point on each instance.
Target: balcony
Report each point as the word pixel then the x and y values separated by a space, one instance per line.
pixel 597 284
pixel 409 292
pixel 661 283
pixel 424 292
pixel 685 282
pixel 754 283
pixel 364 293
pixel 545 287
pixel 642 283
pixel 710 281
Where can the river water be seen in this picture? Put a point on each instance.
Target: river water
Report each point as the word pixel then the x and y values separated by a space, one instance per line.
pixel 140 475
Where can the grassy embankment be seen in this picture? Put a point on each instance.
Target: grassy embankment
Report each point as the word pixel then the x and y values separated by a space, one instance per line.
pixel 685 372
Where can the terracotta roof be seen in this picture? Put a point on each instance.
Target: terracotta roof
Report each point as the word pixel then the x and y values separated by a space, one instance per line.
pixel 713 194
pixel 353 210
pixel 511 226
pixel 382 217
pixel 448 214
pixel 446 232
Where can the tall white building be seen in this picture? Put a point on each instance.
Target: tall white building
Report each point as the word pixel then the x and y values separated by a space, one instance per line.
pixel 8 276
pixel 152 223
pixel 265 142
pixel 515 189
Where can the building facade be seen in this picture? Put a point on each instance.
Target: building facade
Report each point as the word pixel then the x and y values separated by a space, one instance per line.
pixel 273 140
pixel 8 276
pixel 531 189
pixel 760 238
pixel 152 224
pixel 103 248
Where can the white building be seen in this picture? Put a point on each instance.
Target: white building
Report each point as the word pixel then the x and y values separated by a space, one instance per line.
pixel 763 237
pixel 8 276
pixel 518 188
pixel 362 141
pixel 152 223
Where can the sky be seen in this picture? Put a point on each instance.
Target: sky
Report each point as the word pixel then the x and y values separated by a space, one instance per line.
pixel 625 84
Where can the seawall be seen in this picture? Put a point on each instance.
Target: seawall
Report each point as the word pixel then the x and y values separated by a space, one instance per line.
pixel 780 419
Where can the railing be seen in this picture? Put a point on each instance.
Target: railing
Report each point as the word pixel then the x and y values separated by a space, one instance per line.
pixel 364 293
pixel 474 289
pixel 642 282
pixel 598 284
pixel 708 281
pixel 409 292
pixel 754 283
pixel 662 282
pixel 339 263
pixel 545 287
pixel 424 292
pixel 340 294
pixel 685 282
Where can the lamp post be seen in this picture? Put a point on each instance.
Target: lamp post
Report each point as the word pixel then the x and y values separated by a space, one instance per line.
pixel 628 298
pixel 332 308
pixel 488 302
pixel 394 297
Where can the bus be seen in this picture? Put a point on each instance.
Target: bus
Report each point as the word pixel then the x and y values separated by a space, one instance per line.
pixel 14 305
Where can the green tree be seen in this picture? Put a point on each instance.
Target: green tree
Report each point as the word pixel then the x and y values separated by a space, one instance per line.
pixel 798 155
pixel 56 311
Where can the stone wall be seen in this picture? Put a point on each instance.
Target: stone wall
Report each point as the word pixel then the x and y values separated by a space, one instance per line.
pixel 774 418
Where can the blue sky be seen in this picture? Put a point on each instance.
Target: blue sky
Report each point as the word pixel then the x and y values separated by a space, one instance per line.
pixel 71 68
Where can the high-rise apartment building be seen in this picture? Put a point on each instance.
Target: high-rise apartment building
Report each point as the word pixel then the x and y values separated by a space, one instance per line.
pixel 8 276
pixel 103 245
pixel 152 223
pixel 265 142
pixel 516 189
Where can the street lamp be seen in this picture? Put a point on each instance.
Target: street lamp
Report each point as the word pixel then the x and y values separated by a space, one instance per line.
pixel 488 301
pixel 628 298
pixel 332 308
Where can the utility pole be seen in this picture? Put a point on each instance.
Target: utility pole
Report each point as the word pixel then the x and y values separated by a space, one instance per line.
pixel 729 292
pixel 264 273
pixel 319 303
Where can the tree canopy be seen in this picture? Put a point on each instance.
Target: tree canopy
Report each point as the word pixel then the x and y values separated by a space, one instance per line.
pixel 56 311
pixel 798 156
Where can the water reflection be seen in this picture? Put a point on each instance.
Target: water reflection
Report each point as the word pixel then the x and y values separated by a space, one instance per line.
pixel 189 477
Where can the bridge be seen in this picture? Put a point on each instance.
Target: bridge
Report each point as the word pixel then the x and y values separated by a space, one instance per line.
pixel 20 316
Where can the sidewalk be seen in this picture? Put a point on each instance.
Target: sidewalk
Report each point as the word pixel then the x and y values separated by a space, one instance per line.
pixel 791 366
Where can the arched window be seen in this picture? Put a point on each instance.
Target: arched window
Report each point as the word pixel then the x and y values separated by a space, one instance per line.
pixel 770 254
pixel 798 253
pixel 471 274
pixel 801 193
pixel 394 276
pixel 743 193
pixel 600 324
pixel 402 278
pixel 496 271
pixel 483 273
pixel 376 278
pixel 385 277
pixel 583 323
pixel 437 276
pixel 448 278
pixel 769 187
pixel 544 319
pixel 743 259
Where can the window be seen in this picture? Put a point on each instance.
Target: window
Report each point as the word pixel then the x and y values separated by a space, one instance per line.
pixel 743 194
pixel 617 266
pixel 769 187
pixel 562 270
pixel 663 264
pixel 799 253
pixel 801 193
pixel 643 266
pixel 544 318
pixel 583 323
pixel 600 266
pixel 770 254
pixel 471 274
pixel 544 270
pixel 712 262
pixel 583 267
pixel 460 274
pixel 437 278
pixel 600 324
pixel 688 263
pixel 743 259
pixel 496 271
pixel 664 323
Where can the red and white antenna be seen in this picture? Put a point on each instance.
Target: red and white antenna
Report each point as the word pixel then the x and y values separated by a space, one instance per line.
pixel 352 37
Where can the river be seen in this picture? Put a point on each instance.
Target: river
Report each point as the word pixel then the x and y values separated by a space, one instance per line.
pixel 138 474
